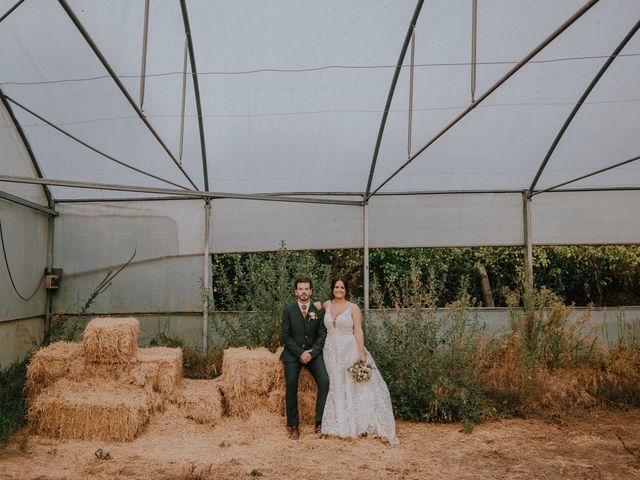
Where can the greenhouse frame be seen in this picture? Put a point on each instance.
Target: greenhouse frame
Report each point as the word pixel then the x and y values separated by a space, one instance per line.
pixel 177 130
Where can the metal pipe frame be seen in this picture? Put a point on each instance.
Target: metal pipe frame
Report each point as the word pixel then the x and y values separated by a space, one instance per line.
pixel 118 82
pixel 10 11
pixel 168 191
pixel 347 194
pixel 584 9
pixel 528 242
pixel 27 203
pixel 196 91
pixel 365 211
pixel 27 146
pixel 582 177
pixel 582 99
pixel 392 89
pixel 84 144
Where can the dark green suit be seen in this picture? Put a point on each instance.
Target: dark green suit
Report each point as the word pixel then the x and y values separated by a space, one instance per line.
pixel 298 335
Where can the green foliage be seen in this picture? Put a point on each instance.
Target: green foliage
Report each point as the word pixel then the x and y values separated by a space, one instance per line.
pixel 431 362
pixel 12 403
pixel 259 286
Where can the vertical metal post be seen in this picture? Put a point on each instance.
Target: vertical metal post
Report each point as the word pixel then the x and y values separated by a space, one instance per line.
pixel 528 249
pixel 205 277
pixel 145 37
pixel 49 299
pixel 366 258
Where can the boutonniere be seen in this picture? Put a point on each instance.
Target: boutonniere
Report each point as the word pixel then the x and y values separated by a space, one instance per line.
pixel 313 315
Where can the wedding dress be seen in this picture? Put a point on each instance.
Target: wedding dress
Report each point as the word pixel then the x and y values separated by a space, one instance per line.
pixel 352 408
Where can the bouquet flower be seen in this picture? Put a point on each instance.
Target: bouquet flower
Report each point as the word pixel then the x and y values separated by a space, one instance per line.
pixel 360 371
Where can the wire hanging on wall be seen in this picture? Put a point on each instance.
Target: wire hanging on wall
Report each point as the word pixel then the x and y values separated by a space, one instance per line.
pixel 6 261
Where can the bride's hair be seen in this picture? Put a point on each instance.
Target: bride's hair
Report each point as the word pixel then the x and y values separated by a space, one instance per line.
pixel 342 279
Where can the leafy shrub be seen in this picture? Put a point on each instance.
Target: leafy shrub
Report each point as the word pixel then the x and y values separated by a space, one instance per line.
pixel 12 402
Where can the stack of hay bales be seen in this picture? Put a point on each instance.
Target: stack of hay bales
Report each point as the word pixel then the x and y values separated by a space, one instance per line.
pixel 104 388
pixel 254 380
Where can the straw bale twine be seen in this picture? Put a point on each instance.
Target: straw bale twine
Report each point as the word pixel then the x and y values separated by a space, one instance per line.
pixel 91 410
pixel 201 400
pixel 160 368
pixel 111 339
pixel 247 378
pixel 50 363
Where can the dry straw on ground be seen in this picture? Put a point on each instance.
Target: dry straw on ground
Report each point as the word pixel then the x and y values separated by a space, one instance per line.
pixel 247 378
pixel 101 410
pixel 200 400
pixel 111 340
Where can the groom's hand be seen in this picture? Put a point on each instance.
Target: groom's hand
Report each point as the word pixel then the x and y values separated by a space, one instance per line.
pixel 305 357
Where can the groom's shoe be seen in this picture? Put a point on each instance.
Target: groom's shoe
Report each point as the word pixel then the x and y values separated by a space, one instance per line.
pixel 294 433
pixel 318 427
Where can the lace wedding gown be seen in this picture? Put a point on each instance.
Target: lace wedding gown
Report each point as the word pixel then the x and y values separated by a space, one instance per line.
pixel 352 408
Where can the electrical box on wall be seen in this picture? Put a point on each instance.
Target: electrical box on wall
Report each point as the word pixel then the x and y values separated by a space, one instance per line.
pixel 52 277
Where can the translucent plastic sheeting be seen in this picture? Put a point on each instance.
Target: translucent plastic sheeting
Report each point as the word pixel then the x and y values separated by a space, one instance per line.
pixel 293 93
pixel 25 243
pixel 501 144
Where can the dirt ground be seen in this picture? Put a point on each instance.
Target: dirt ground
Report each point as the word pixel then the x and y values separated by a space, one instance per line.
pixel 596 444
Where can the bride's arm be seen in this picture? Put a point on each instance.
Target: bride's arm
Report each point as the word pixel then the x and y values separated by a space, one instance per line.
pixel 358 333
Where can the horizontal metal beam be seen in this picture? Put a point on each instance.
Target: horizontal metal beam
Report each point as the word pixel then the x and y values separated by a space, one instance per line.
pixel 168 191
pixel 27 203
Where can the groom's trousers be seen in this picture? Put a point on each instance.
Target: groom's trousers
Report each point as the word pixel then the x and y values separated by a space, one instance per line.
pixel 292 374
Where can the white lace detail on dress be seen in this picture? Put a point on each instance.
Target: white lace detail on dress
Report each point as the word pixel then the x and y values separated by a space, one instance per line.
pixel 353 409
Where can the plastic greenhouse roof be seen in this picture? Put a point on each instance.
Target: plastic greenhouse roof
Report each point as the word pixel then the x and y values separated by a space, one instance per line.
pixel 293 94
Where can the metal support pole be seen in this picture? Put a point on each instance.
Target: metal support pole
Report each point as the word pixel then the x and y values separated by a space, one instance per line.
pixel 366 258
pixel 205 277
pixel 49 298
pixel 528 249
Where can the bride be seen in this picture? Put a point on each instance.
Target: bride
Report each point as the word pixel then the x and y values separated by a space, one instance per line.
pixel 352 408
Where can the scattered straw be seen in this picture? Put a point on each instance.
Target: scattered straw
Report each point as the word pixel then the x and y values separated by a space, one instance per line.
pixel 111 340
pixel 92 410
pixel 200 400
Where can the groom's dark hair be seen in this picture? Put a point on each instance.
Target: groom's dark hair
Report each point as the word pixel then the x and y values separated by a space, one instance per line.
pixel 302 279
pixel 343 279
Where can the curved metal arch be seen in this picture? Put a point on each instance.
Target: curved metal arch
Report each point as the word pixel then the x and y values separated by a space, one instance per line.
pixel 196 90
pixel 577 106
pixel 392 89
pixel 27 146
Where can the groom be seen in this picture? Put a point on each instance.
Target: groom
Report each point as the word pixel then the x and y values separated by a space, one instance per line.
pixel 303 333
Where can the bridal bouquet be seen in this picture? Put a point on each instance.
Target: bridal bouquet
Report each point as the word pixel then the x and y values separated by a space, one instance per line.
pixel 360 371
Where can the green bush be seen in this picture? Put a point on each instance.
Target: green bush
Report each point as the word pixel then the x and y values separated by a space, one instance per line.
pixel 431 364
pixel 12 403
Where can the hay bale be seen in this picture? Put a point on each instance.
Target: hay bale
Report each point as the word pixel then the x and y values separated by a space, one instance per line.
pixel 111 340
pixel 201 400
pixel 92 410
pixel 247 378
pixel 160 368
pixel 50 363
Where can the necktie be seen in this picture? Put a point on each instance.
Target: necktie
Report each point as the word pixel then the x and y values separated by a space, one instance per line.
pixel 303 307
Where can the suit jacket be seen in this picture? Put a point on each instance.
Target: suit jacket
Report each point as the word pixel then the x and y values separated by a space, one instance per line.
pixel 298 334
